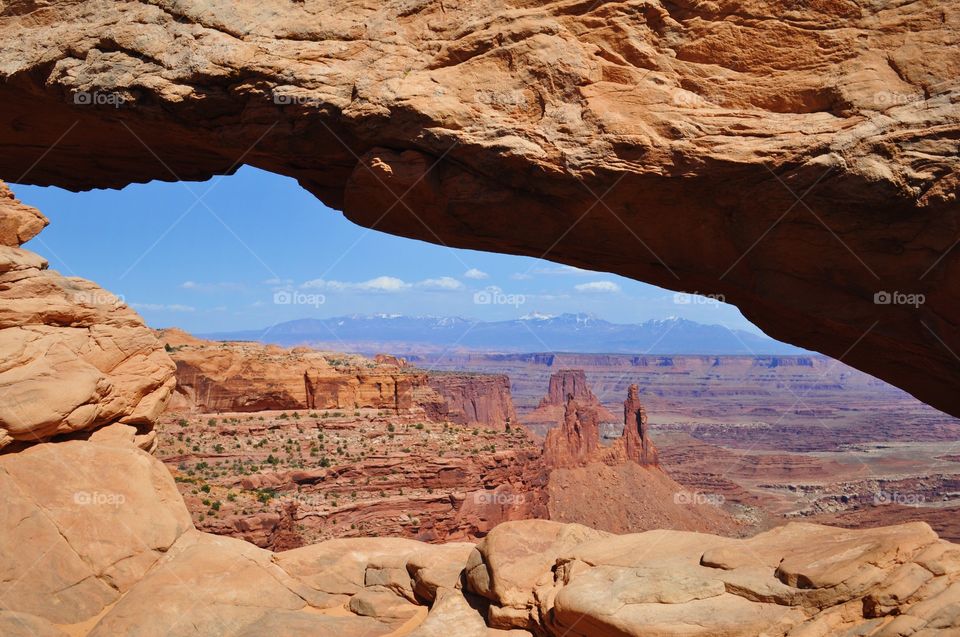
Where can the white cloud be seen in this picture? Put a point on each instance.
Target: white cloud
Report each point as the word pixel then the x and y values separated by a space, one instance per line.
pixel 278 282
pixel 212 287
pixel 159 307
pixel 442 283
pixel 476 274
pixel 520 276
pixel 598 286
pixel 378 284
pixel 384 284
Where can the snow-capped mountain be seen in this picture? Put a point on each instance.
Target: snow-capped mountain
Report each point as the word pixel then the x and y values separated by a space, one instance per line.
pixel 531 333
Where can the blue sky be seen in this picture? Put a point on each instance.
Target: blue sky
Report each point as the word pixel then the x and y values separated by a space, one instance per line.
pixel 254 249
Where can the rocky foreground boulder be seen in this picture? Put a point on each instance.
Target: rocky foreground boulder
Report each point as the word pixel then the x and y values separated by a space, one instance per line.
pixel 73 357
pixel 797 158
pixel 95 541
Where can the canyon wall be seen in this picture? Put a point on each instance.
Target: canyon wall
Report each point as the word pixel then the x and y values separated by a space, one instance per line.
pixel 214 376
pixel 476 399
pixel 244 377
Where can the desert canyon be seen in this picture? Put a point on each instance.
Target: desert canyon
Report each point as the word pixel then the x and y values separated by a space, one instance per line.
pixel 157 483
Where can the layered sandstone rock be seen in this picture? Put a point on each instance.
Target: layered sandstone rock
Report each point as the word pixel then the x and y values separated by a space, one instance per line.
pixel 577 441
pixel 475 399
pixel 18 222
pixel 75 357
pixel 214 376
pixel 98 543
pixel 636 431
pixel 586 476
pixel 302 477
pixel 563 385
pixel 641 137
pixel 797 580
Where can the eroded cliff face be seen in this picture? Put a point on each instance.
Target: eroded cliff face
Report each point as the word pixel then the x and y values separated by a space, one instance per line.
pixel 475 399
pixel 75 358
pixel 553 407
pixel 797 158
pixel 576 442
pixel 214 376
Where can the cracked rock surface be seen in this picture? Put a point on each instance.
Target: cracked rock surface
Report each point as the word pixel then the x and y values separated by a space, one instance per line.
pixel 95 540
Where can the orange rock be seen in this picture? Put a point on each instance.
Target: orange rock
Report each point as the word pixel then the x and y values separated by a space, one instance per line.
pixel 75 357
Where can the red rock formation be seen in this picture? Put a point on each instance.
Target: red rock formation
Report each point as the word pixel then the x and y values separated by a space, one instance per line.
pixel 699 145
pixel 564 384
pixel 577 441
pixel 474 399
pixel 244 377
pixel 285 536
pixel 636 433
pixel 389 359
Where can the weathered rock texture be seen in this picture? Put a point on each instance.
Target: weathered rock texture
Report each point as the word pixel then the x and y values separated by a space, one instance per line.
pixel 586 477
pixel 665 141
pixel 74 357
pixel 214 376
pixel 797 580
pixel 636 431
pixel 475 399
pixel 217 376
pixel 576 442
pixel 96 542
pixel 563 384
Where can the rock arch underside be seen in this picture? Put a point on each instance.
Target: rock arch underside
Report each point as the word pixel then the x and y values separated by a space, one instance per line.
pixel 796 157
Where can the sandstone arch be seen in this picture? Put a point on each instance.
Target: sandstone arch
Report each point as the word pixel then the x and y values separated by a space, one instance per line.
pixel 796 158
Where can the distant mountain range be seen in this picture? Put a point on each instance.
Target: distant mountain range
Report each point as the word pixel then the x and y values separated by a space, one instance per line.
pixel 580 333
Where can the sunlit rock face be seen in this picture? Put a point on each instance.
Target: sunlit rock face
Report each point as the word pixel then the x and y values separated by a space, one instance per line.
pixel 95 541
pixel 75 357
pixel 798 159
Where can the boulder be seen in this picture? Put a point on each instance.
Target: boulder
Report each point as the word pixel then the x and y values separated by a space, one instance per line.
pixel 81 523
